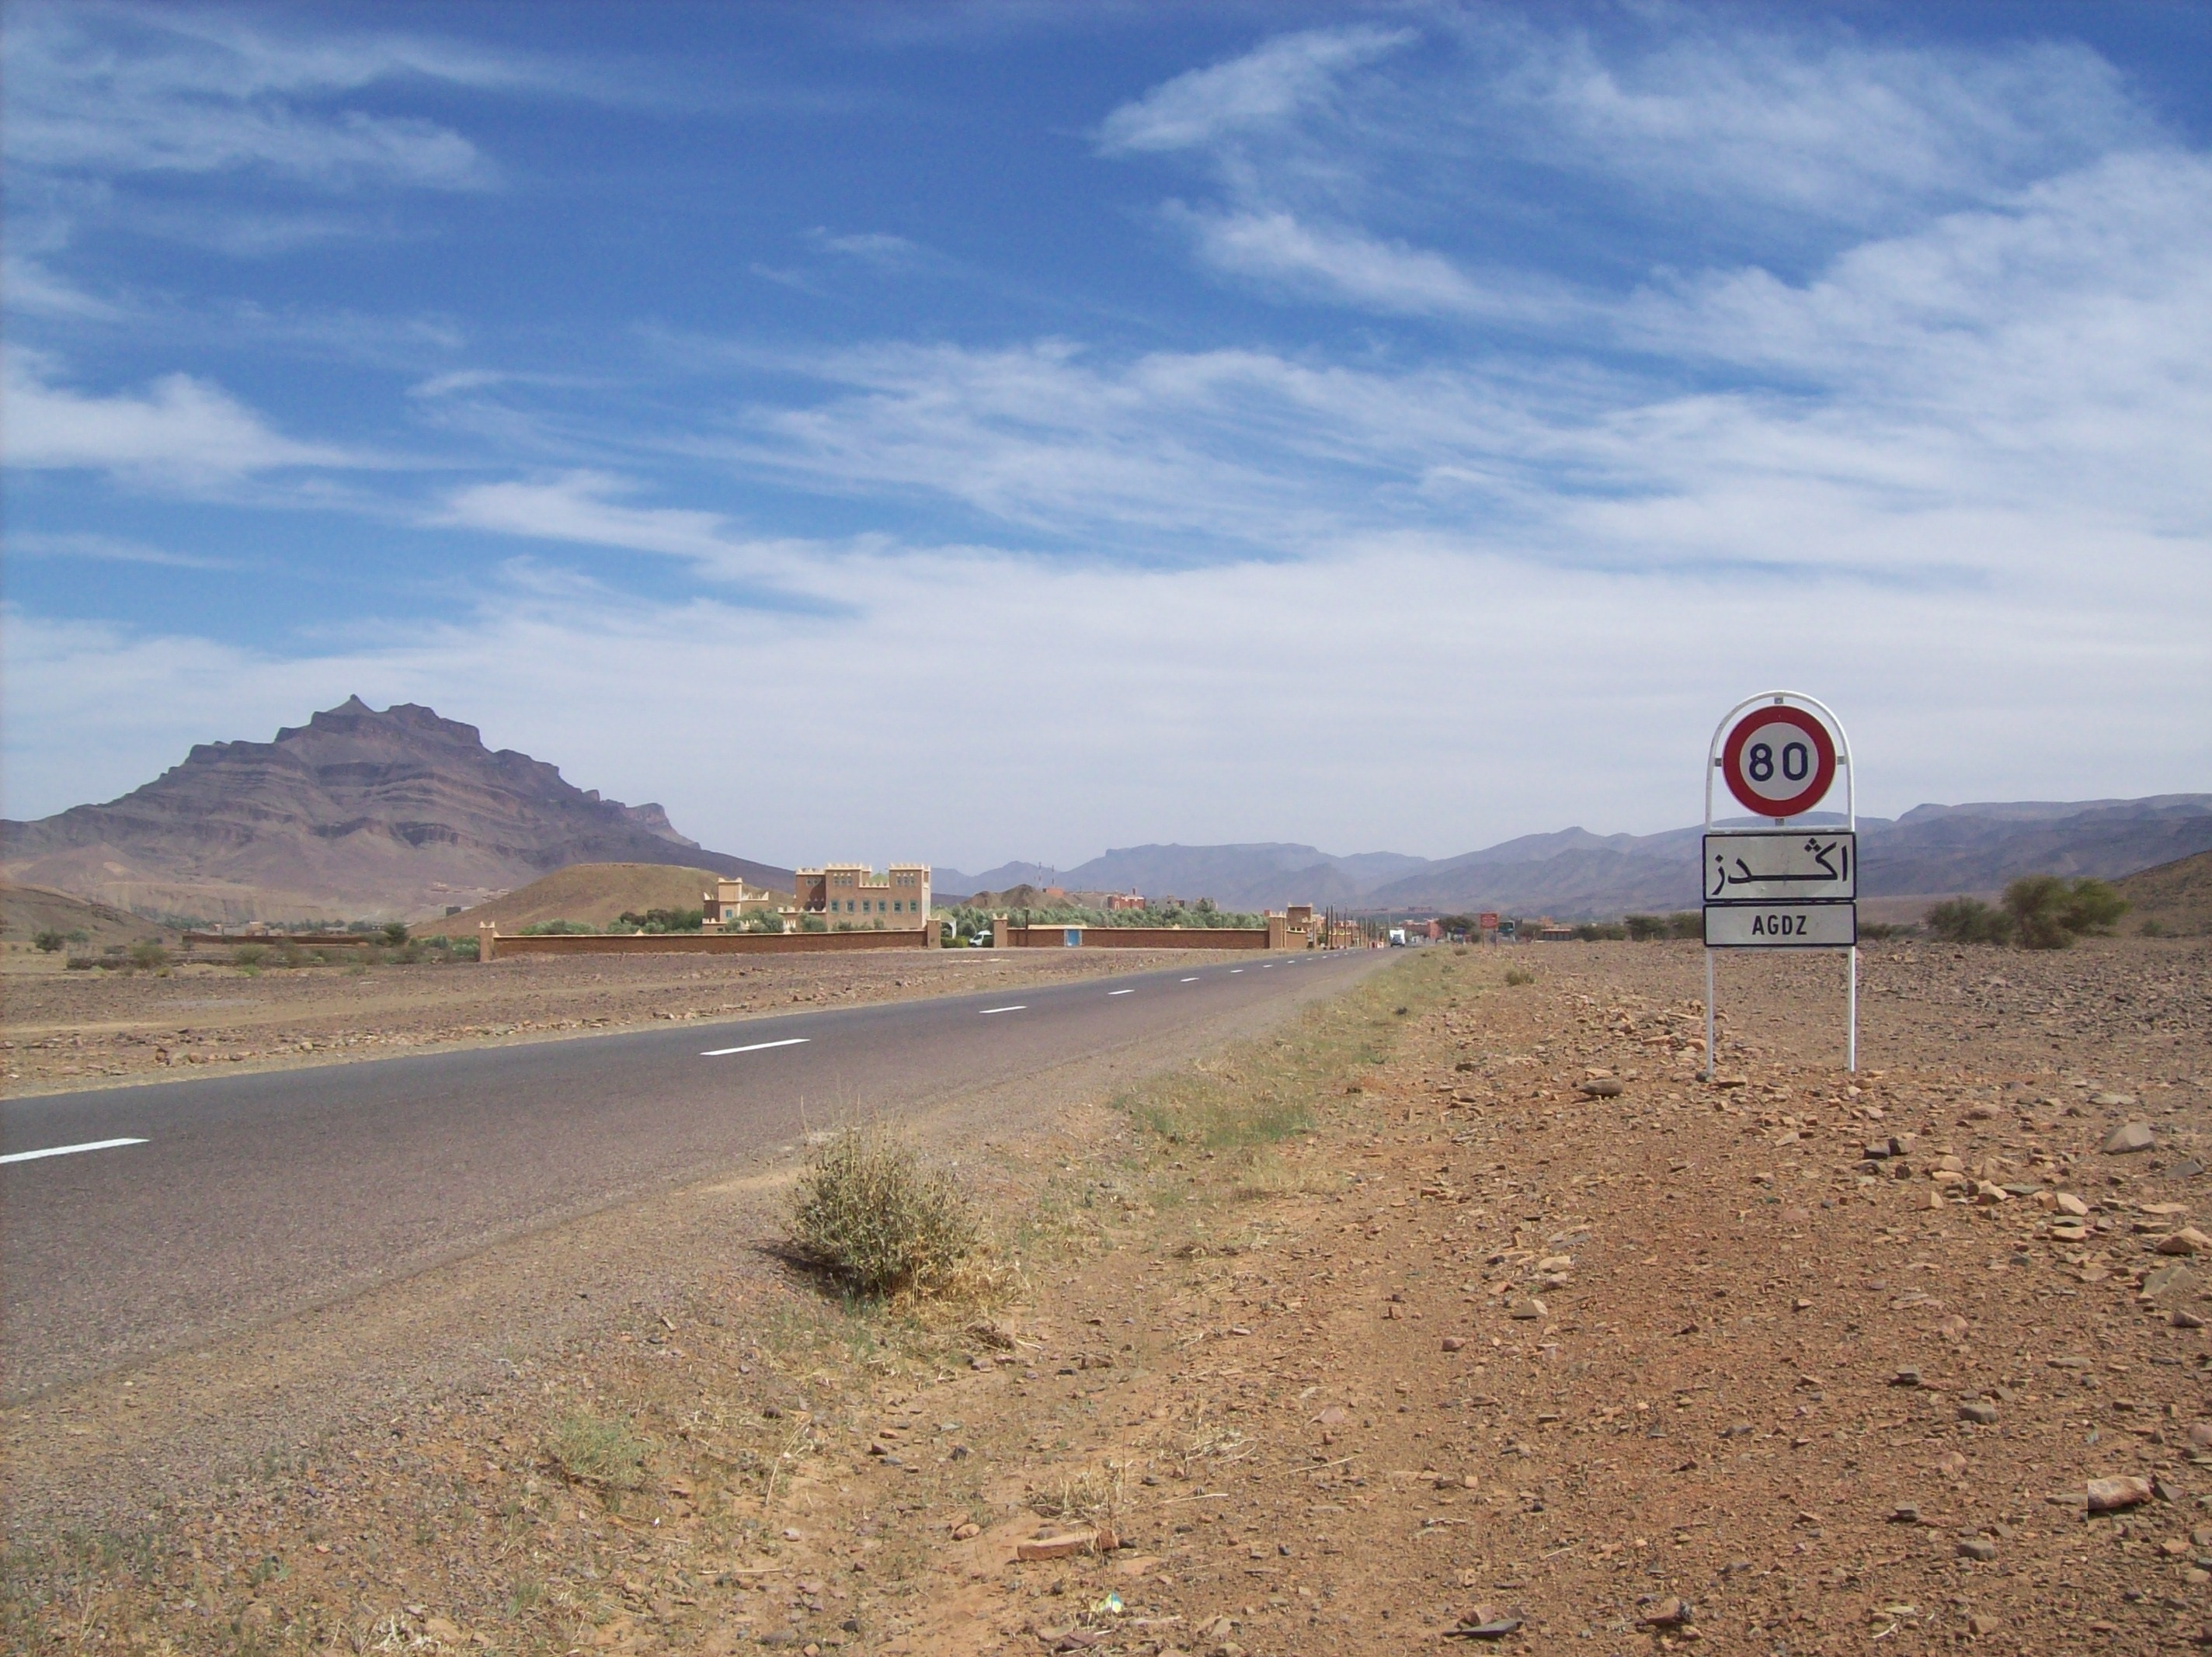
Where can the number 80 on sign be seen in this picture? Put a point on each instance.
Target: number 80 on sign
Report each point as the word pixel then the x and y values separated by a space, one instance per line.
pixel 1779 762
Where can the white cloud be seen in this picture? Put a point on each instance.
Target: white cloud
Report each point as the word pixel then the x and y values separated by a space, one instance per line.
pixel 1336 263
pixel 180 431
pixel 1285 75
pixel 584 508
pixel 970 707
pixel 107 549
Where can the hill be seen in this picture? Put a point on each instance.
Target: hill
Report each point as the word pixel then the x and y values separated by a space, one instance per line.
pixel 357 814
pixel 1933 851
pixel 593 893
pixel 2178 896
pixel 27 911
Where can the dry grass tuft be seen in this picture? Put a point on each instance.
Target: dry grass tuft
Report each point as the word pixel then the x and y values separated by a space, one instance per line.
pixel 597 1450
pixel 870 1216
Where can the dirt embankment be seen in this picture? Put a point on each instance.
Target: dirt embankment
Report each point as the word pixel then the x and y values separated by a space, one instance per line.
pixel 76 1030
pixel 1456 1308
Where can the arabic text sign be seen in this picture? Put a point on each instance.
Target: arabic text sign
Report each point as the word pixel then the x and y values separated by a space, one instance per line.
pixel 1802 867
pixel 1782 927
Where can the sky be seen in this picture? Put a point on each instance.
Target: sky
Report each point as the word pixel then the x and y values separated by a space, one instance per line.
pixel 978 432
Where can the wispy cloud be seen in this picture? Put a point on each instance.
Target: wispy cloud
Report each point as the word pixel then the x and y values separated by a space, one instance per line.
pixel 1286 76
pixel 114 91
pixel 180 431
pixel 109 549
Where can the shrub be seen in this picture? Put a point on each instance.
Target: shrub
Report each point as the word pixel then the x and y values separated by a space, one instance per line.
pixel 554 928
pixel 661 920
pixel 1517 976
pixel 147 954
pixel 870 1216
pixel 595 1450
pixel 1687 923
pixel 1592 932
pixel 2048 914
pixel 1969 920
pixel 249 954
pixel 50 942
pixel 1644 928
pixel 395 933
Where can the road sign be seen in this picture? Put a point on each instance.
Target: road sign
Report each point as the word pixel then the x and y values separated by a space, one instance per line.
pixel 1778 761
pixel 1782 927
pixel 1779 887
pixel 1764 866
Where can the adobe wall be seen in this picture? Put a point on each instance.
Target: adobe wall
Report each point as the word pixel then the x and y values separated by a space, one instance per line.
pixel 697 943
pixel 1140 938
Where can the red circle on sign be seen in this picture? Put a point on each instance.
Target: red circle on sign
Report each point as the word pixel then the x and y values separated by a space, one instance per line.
pixel 1743 785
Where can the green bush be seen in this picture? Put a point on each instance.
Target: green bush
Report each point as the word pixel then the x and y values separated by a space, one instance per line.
pixel 1644 928
pixel 2048 914
pixel 870 1216
pixel 1516 976
pixel 147 954
pixel 1687 923
pixel 1592 932
pixel 555 928
pixel 249 954
pixel 661 920
pixel 1969 920
pixel 395 933
pixel 50 942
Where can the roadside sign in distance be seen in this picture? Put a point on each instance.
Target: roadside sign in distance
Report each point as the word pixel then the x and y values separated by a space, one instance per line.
pixel 1778 761
pixel 1766 865
pixel 1782 927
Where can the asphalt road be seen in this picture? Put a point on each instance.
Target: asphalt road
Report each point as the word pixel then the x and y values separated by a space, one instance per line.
pixel 236 1198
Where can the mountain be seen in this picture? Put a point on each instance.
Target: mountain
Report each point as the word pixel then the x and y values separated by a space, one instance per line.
pixel 2174 897
pixel 1574 875
pixel 1261 876
pixel 357 813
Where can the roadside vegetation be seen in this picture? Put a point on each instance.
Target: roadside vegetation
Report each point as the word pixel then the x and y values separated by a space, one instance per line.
pixel 878 1223
pixel 2039 912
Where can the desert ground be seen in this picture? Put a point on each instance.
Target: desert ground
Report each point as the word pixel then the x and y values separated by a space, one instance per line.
pixel 76 1030
pixel 1449 1308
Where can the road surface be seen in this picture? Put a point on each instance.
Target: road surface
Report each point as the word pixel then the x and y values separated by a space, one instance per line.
pixel 140 1220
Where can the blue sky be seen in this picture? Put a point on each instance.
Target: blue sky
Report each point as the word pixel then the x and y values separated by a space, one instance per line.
pixel 993 431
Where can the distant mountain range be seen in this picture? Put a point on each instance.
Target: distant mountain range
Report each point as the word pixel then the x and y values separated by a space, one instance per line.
pixel 1573 874
pixel 357 814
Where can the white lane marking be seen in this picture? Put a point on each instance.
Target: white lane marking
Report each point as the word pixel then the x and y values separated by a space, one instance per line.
pixel 757 1046
pixel 67 1150
pixel 1190 981
pixel 1024 1007
pixel 1233 971
pixel 1120 992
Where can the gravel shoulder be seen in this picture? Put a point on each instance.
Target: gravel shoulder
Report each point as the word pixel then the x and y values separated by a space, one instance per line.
pixel 1381 1326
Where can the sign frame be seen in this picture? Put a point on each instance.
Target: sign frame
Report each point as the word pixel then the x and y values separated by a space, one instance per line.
pixel 1832 754
pixel 1788 925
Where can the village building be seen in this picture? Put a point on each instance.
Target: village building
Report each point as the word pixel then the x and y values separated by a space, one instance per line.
pixel 852 893
pixel 733 902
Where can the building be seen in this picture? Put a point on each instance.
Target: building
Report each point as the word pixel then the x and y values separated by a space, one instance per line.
pixel 733 903
pixel 1124 900
pixel 850 895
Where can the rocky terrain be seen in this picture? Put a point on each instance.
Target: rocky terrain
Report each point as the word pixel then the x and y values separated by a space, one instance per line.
pixel 358 814
pixel 1460 1309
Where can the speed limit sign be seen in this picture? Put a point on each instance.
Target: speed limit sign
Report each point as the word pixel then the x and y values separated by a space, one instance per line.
pixel 1770 886
pixel 1780 761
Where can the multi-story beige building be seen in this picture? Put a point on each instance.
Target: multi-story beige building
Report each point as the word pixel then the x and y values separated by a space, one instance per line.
pixel 733 903
pixel 850 893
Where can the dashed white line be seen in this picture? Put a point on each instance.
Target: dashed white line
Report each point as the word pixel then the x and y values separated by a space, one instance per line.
pixel 1023 1007
pixel 1233 971
pixel 1189 981
pixel 757 1046
pixel 1120 992
pixel 67 1150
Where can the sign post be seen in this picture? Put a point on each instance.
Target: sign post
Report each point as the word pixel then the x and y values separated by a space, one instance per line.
pixel 1780 887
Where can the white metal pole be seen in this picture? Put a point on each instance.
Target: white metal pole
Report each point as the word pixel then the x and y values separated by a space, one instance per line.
pixel 1709 1015
pixel 1851 1038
